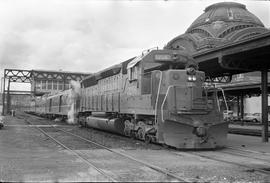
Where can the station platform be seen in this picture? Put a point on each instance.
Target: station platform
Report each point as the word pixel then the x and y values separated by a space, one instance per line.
pixel 247 129
pixel 246 126
pixel 250 143
pixel 247 137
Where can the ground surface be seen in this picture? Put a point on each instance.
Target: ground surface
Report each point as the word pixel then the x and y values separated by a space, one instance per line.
pixel 28 155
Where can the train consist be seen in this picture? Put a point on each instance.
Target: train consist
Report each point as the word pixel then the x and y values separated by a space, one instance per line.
pixel 158 96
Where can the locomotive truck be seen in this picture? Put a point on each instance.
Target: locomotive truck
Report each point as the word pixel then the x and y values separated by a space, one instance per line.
pixel 158 96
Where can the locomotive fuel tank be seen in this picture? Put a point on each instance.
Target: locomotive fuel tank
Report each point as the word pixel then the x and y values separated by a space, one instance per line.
pixel 114 125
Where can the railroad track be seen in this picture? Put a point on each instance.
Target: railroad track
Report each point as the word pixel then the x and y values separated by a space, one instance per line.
pixel 263 157
pixel 230 150
pixel 87 161
pixel 249 151
pixel 265 170
pixel 208 155
pixel 170 175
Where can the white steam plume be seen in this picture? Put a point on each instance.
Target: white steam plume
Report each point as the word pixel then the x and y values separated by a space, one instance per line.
pixel 74 94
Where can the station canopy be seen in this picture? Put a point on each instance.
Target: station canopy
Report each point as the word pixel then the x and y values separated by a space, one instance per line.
pixel 226 39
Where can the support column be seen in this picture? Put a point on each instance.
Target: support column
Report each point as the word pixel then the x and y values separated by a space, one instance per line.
pixel 8 97
pixel 64 81
pixel 4 97
pixel 242 108
pixel 264 82
pixel 238 107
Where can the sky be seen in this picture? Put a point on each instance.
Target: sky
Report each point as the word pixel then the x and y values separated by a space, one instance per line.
pixel 88 35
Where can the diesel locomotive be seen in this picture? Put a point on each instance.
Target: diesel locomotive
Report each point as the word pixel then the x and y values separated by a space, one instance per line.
pixel 158 97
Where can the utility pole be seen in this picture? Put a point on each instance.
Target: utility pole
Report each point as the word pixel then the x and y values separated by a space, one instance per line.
pixel 264 83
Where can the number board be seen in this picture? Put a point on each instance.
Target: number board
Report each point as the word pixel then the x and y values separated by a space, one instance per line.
pixel 163 57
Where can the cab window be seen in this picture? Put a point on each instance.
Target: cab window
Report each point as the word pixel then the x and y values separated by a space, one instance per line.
pixel 133 73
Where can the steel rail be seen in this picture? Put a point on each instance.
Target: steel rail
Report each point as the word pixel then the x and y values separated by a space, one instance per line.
pixel 75 153
pixel 250 151
pixel 164 171
pixel 224 161
pixel 234 163
pixel 244 155
pixel 156 168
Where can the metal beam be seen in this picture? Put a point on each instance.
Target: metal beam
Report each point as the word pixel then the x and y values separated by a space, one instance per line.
pixel 236 57
pixel 18 75
pixel 264 99
pixel 230 48
pixel 20 91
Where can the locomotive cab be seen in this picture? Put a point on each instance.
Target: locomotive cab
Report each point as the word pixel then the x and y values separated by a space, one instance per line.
pixel 185 116
pixel 184 92
pixel 184 110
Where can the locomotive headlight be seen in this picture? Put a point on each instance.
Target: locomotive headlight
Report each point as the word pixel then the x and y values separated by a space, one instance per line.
pixel 192 78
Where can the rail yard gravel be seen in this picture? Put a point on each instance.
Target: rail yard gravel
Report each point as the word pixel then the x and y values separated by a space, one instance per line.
pixel 28 155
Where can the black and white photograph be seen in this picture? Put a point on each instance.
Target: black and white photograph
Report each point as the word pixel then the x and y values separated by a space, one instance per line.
pixel 135 91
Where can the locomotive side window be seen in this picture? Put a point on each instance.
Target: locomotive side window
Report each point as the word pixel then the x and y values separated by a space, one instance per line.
pixel 146 83
pixel 133 73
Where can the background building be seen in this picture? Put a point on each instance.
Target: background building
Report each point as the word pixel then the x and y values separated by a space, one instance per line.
pixel 52 81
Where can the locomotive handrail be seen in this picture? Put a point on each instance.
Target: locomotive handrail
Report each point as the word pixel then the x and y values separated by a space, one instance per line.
pixel 162 105
pixel 214 88
pixel 159 86
pixel 225 101
pixel 149 49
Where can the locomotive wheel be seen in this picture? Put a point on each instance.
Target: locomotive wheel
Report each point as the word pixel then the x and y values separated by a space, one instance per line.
pixel 133 134
pixel 127 132
pixel 165 146
pixel 147 139
pixel 140 134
